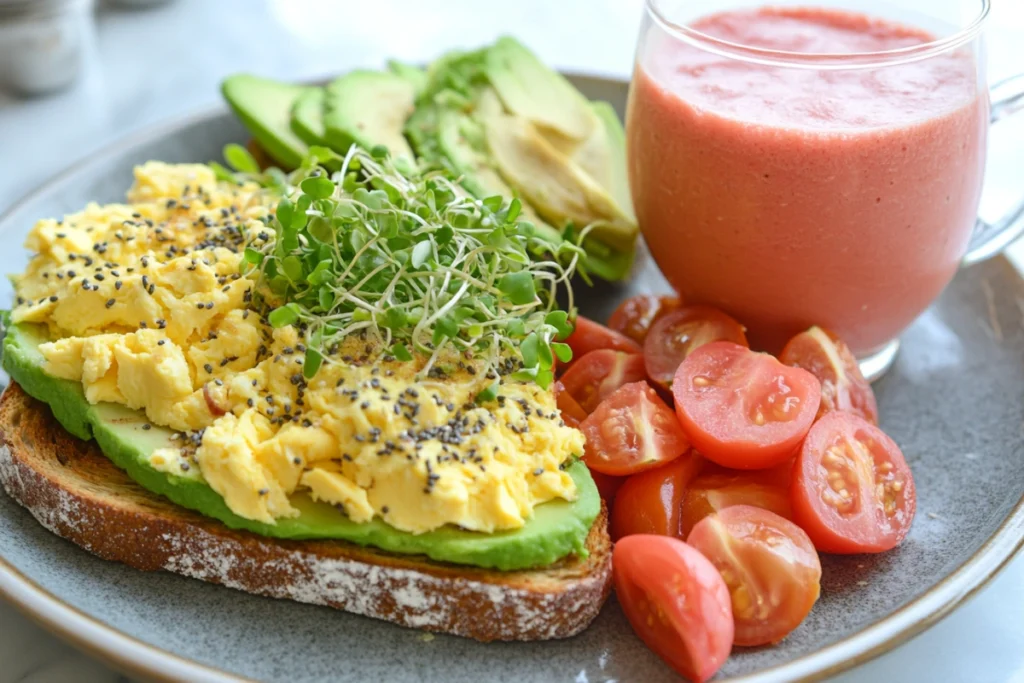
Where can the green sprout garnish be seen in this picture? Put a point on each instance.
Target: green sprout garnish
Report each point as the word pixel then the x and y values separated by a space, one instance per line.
pixel 411 261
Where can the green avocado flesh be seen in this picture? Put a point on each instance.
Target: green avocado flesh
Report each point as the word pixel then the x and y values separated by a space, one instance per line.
pixel 557 528
pixel 265 108
pixel 308 116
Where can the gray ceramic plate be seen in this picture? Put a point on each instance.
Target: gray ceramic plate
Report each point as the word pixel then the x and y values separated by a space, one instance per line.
pixel 954 401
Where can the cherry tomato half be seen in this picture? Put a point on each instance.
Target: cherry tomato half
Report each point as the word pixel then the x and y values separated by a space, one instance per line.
pixel 594 376
pixel 650 502
pixel 590 336
pixel 632 431
pixel 743 409
pixel 635 315
pixel 852 489
pixel 572 413
pixel 717 488
pixel 674 337
pixel 825 356
pixel 676 602
pixel 769 565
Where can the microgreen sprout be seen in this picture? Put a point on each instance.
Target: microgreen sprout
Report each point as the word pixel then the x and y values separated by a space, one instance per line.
pixel 411 261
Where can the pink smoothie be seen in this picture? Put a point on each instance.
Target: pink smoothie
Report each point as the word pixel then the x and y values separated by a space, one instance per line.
pixel 790 197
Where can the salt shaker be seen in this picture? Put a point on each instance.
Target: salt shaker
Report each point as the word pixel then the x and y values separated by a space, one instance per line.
pixel 42 43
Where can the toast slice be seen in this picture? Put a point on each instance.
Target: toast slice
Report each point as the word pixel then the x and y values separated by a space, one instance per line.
pixel 73 490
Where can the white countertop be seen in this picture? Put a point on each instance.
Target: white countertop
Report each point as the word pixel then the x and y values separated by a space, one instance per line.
pixel 152 65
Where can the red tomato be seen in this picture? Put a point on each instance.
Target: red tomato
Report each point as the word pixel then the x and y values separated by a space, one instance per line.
pixel 607 485
pixel 635 315
pixel 590 336
pixel 676 602
pixel 717 488
pixel 677 334
pixel 743 409
pixel 825 356
pixel 852 490
pixel 592 378
pixel 650 502
pixel 769 565
pixel 571 412
pixel 632 431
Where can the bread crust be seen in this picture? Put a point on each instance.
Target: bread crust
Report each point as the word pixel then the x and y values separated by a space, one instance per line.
pixel 73 490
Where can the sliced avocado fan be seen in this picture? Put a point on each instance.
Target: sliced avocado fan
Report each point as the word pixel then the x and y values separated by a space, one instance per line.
pixel 553 182
pixel 497 118
pixel 265 108
pixel 307 120
pixel 369 108
pixel 532 91
pixel 415 75
pixel 557 528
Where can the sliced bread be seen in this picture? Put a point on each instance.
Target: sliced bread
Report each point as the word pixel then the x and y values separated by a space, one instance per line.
pixel 73 490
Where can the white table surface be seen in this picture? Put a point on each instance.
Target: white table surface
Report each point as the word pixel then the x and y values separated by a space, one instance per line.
pixel 152 65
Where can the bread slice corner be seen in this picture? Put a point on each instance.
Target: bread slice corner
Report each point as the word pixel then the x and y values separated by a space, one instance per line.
pixel 73 490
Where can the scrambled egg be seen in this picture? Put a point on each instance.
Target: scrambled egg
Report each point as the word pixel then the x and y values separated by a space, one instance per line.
pixel 148 309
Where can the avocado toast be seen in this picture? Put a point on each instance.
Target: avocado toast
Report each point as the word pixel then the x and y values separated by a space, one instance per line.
pixel 343 376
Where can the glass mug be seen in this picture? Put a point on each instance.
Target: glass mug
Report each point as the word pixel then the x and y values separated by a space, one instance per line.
pixel 799 166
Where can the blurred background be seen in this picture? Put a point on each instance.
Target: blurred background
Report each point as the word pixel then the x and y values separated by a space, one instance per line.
pixel 77 74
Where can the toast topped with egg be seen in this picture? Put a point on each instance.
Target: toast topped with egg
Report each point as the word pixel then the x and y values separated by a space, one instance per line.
pixel 77 493
pixel 330 387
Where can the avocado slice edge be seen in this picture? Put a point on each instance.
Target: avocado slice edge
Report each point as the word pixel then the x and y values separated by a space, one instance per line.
pixel 558 528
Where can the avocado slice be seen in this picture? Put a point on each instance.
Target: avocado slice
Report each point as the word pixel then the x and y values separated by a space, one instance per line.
pixel 528 88
pixel 557 528
pixel 451 139
pixel 265 107
pixel 413 74
pixel 614 137
pixel 553 183
pixel 307 116
pixel 368 108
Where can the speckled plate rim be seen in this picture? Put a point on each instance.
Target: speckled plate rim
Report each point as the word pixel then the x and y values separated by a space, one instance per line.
pixel 138 658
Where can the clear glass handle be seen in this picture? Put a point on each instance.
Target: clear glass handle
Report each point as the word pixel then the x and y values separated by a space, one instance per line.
pixel 991 238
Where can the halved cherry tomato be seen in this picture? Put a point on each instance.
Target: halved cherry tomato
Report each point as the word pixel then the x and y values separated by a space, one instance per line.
pixel 607 485
pixel 677 334
pixel 852 489
pixel 592 378
pixel 717 488
pixel 632 431
pixel 769 565
pixel 590 336
pixel 635 315
pixel 572 413
pixel 825 356
pixel 676 602
pixel 650 502
pixel 743 409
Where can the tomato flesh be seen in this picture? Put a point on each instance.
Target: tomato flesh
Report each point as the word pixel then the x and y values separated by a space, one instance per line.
pixel 632 431
pixel 676 335
pixel 651 502
pixel 676 601
pixel 635 315
pixel 572 413
pixel 852 490
pixel 743 409
pixel 769 565
pixel 843 386
pixel 593 378
pixel 590 336
pixel 717 488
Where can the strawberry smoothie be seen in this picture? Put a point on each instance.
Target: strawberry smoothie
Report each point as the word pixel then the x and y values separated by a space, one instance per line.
pixel 795 196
